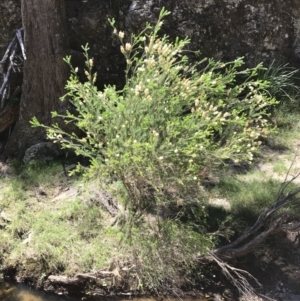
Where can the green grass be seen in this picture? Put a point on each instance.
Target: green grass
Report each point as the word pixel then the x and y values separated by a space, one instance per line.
pixel 251 193
pixel 66 235
pixel 74 235
pixel 280 167
pixel 248 197
pixel 282 78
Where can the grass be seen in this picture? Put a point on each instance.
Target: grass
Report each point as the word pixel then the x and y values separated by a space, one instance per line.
pixel 62 234
pixel 247 199
pixel 282 80
pixel 280 167
pixel 49 235
pixel 73 235
pixel 249 194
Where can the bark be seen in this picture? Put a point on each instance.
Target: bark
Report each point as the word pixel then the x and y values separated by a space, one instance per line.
pixel 45 72
pixel 9 116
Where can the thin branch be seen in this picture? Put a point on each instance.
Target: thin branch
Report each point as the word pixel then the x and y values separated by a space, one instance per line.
pixel 20 39
pixel 9 64
pixel 238 277
pixel 6 54
pixel 286 183
pixel 262 220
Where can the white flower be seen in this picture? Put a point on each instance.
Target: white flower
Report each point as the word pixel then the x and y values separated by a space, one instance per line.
pixel 155 134
pixel 128 46
pixel 121 34
pixel 161 158
pixel 176 150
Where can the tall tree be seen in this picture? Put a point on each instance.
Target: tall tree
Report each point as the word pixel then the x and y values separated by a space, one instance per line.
pixel 45 73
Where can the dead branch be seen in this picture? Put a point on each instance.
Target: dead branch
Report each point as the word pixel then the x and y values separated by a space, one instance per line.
pixel 63 280
pixel 79 278
pixel 11 63
pixel 20 39
pixel 238 277
pixel 291 227
pixel 84 277
pixel 267 220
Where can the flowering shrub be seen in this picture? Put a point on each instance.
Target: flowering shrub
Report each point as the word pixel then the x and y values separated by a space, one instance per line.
pixel 171 120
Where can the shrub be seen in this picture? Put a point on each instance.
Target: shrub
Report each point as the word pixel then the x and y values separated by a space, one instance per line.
pixel 171 122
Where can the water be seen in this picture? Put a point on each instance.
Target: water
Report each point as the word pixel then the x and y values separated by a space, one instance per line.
pixel 20 292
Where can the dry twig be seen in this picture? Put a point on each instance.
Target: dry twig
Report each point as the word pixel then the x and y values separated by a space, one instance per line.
pixel 11 62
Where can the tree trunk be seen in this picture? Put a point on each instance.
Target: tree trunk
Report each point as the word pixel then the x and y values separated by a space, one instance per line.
pixel 45 72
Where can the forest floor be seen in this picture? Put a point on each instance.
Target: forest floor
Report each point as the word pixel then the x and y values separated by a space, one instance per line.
pixel 52 225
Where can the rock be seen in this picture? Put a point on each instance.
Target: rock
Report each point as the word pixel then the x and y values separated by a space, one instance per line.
pixel 106 199
pixel 292 297
pixel 5 217
pixel 260 30
pixel 217 297
pixel 221 203
pixel 41 151
pixel 70 193
pixel 28 239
